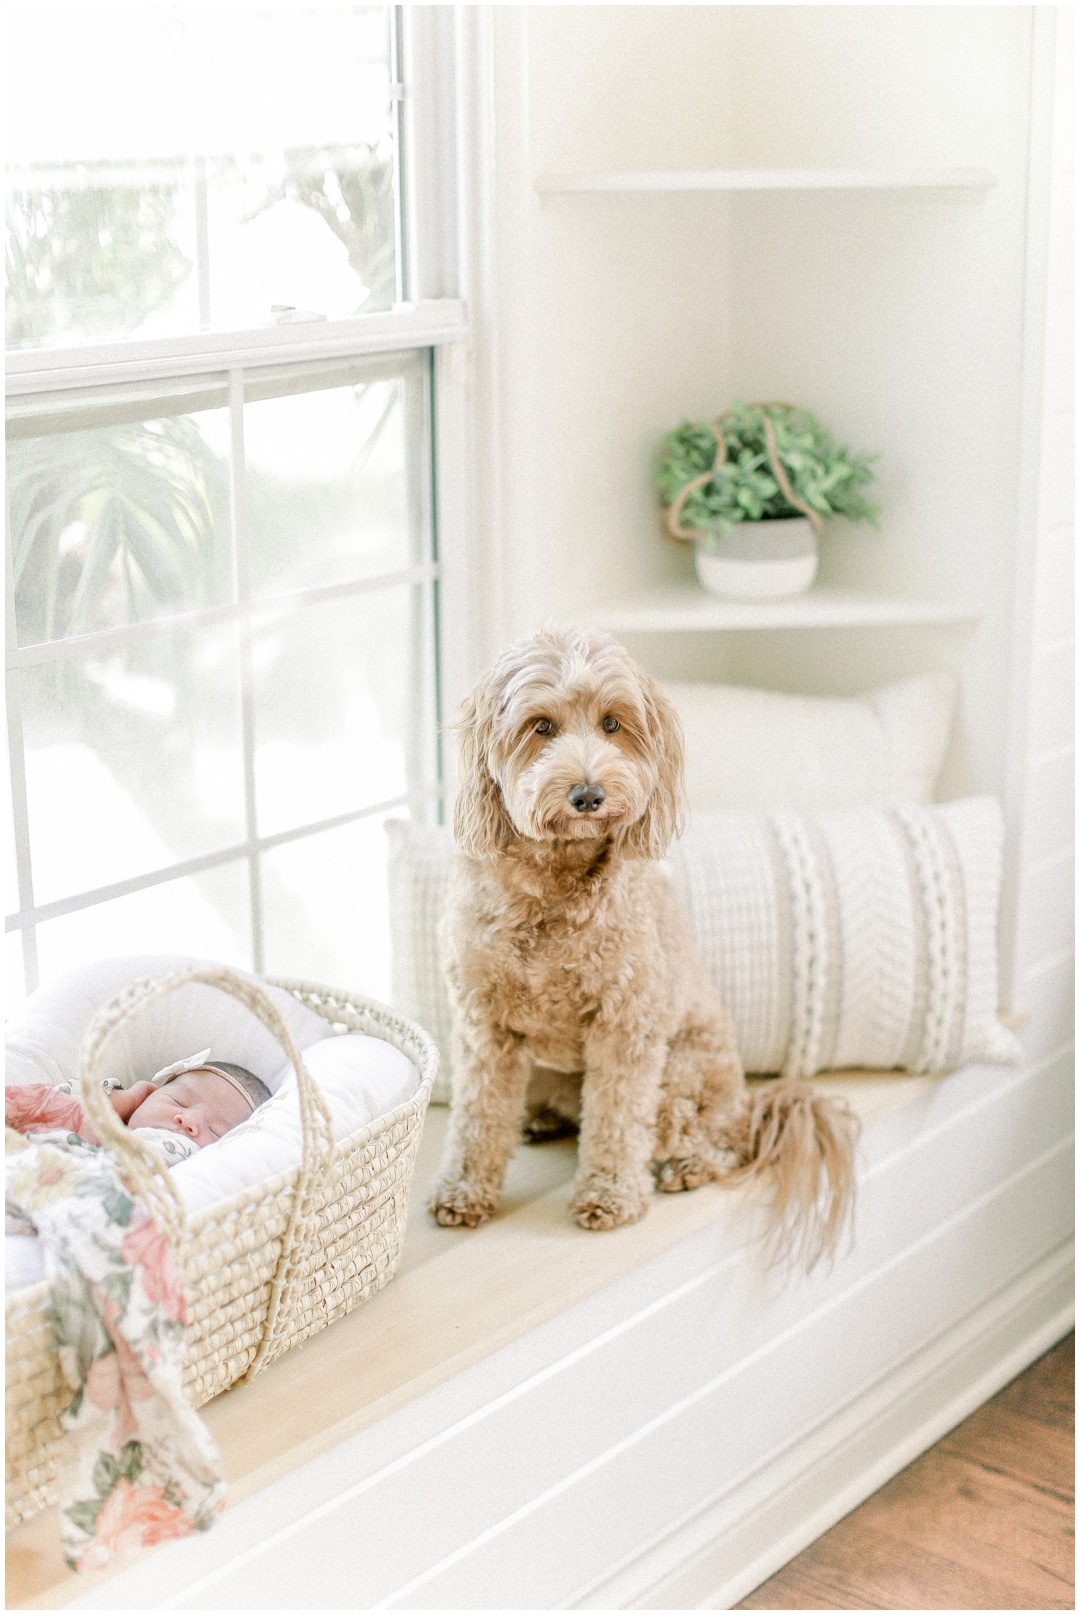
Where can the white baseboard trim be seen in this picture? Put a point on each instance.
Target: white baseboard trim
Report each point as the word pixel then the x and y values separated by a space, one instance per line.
pixel 741 1537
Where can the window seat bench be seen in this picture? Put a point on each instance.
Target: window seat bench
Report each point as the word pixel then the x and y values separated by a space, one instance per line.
pixel 532 1416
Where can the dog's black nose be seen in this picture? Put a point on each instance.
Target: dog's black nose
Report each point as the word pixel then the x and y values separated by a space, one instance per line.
pixel 586 798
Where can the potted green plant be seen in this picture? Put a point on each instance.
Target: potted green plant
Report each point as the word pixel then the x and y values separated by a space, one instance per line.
pixel 751 491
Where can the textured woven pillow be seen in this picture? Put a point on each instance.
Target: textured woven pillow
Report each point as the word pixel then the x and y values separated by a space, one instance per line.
pixel 865 937
pixel 761 749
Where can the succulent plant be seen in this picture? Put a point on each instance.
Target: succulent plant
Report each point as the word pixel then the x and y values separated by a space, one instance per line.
pixel 742 483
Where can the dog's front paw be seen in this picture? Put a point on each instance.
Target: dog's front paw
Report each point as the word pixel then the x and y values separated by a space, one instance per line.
pixel 457 1204
pixel 685 1172
pixel 599 1203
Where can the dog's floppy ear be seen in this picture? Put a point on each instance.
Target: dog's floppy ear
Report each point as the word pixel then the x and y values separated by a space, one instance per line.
pixel 651 835
pixel 481 823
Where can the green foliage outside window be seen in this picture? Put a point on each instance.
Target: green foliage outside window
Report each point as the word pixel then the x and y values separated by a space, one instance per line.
pixel 114 525
pixel 91 257
pixel 98 254
pixel 118 525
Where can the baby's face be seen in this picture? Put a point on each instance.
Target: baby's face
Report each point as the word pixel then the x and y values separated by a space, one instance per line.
pixel 199 1103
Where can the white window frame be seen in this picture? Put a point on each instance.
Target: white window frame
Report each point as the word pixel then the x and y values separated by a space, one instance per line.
pixel 423 44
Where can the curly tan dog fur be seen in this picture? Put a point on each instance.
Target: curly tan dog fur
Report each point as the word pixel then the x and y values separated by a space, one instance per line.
pixel 570 963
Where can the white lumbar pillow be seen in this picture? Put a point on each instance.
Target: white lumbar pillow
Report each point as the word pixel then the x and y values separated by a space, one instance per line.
pixel 762 749
pixel 42 1044
pixel 864 937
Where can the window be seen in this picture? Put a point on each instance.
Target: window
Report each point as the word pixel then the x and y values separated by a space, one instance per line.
pixel 222 662
pixel 177 167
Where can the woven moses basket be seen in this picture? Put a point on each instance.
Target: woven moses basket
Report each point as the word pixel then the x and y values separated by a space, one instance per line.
pixel 263 1269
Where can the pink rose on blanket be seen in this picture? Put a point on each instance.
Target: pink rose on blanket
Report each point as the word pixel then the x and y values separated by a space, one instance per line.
pixel 116 1381
pixel 133 1517
pixel 35 1108
pixel 145 1246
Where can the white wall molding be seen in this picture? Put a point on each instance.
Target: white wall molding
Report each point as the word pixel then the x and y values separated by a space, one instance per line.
pixel 1030 428
pixel 491 139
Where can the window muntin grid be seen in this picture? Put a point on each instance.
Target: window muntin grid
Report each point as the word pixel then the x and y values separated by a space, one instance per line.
pixel 255 786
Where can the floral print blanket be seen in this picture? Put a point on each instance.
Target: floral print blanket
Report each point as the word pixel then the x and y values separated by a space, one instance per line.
pixel 145 1467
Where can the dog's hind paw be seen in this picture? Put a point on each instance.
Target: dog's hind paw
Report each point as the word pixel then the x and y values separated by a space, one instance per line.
pixel 459 1205
pixel 687 1172
pixel 545 1125
pixel 599 1203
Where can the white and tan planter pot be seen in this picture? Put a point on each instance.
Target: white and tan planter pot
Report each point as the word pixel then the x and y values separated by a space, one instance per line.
pixel 766 560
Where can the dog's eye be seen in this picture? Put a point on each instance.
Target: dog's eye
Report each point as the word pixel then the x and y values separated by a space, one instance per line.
pixel 544 727
pixel 610 725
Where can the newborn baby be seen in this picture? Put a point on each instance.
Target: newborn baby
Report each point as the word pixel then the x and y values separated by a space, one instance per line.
pixel 182 1108
pixel 190 1104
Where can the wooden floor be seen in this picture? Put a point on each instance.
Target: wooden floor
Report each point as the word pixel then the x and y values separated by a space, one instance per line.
pixel 984 1520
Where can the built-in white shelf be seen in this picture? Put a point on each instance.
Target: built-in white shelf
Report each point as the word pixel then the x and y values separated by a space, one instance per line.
pixel 685 607
pixel 970 182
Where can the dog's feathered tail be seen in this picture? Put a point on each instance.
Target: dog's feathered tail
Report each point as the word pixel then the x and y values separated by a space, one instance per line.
pixel 800 1147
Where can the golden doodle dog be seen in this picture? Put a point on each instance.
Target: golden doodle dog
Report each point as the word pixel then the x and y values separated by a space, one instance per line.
pixel 574 982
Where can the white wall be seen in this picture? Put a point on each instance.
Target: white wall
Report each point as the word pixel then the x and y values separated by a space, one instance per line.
pixel 899 318
pixel 606 321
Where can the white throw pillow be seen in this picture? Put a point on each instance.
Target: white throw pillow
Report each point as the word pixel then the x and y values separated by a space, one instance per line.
pixel 417 873
pixel 760 749
pixel 865 937
pixel 42 1044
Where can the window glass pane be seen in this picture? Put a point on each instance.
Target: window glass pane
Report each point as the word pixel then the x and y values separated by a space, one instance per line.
pixel 309 228
pixel 121 519
pixel 207 915
pixel 326 910
pixel 99 249
pixel 133 759
pixel 341 718
pixel 335 477
pixel 14 973
pixel 182 165
pixel 11 875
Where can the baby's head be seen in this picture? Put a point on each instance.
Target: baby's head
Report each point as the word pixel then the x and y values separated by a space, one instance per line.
pixel 204 1103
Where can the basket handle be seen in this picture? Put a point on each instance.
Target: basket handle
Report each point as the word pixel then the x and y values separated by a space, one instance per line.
pixel 141 1163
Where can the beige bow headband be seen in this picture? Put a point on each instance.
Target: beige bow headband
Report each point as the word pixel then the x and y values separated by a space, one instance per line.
pixel 199 1062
